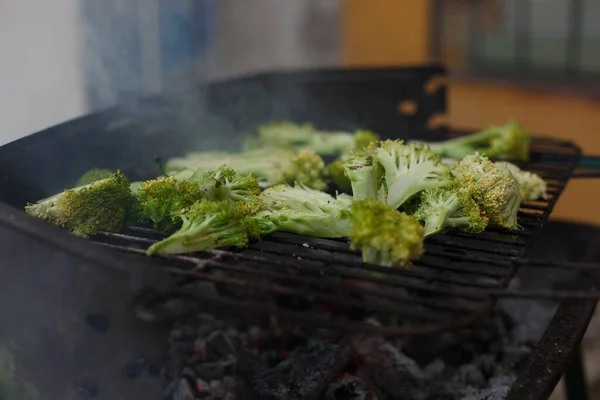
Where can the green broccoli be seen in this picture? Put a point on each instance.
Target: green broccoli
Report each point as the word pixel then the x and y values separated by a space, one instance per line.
pixel 532 186
pixel 494 189
pixel 225 184
pixel 93 175
pixel 270 166
pixel 305 211
pixel 384 235
pixel 159 198
pixel 408 170
pixel 291 135
pixel 441 209
pixel 89 209
pixel 365 175
pixel 336 175
pixel 208 224
pixel 508 142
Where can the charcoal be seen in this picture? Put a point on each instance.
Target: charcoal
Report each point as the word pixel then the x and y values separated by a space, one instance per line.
pixel 486 364
pixel 183 391
pixel 304 374
pixel 471 375
pixel 349 388
pixel 218 345
pixel 203 390
pixel 495 393
pixel 85 390
pixel 250 365
pixel 390 370
pixel 514 356
pixel 435 369
pixel 134 368
pixel 98 322
pixel 216 370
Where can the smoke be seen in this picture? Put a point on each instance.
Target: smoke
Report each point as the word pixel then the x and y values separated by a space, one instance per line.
pixel 133 49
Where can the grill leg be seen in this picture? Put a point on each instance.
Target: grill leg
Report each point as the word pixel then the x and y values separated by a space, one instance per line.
pixel 575 382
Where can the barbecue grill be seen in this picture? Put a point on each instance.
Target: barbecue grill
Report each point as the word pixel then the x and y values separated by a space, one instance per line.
pixel 70 301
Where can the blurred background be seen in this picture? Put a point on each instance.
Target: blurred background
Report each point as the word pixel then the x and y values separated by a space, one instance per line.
pixel 532 60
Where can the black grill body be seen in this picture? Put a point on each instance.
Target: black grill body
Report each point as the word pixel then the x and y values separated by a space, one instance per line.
pixel 65 303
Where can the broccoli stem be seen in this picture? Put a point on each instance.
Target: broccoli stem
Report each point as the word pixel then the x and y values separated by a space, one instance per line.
pixel 436 221
pixel 198 237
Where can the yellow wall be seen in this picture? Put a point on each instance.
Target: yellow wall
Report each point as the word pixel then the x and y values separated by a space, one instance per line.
pixel 396 32
pixel 386 32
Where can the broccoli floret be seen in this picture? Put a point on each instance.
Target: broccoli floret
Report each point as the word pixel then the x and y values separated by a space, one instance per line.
pixel 159 198
pixel 206 225
pixel 225 184
pixel 444 208
pixel 270 166
pixel 306 168
pixel 332 143
pixel 508 142
pixel 494 189
pixel 305 211
pixel 94 175
pixel 89 209
pixel 385 235
pixel 408 170
pixel 532 186
pixel 336 175
pixel 291 135
pixel 365 175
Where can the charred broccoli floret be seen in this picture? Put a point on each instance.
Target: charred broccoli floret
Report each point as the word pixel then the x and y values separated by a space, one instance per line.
pixel 89 209
pixel 532 186
pixel 441 209
pixel 94 175
pixel 208 224
pixel 508 142
pixel 386 236
pixel 494 189
pixel 305 211
pixel 365 175
pixel 408 170
pixel 159 198
pixel 336 172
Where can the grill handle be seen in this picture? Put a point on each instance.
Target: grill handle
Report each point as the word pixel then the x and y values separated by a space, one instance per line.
pixel 590 167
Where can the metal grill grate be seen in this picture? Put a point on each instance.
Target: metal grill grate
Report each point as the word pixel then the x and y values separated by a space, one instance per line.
pixel 322 282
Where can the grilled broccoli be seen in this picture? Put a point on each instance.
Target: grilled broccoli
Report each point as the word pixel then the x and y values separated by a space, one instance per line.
pixel 305 211
pixel 225 184
pixel 159 198
pixel 208 224
pixel 385 235
pixel 89 209
pixel 283 134
pixel 449 208
pixel 365 175
pixel 336 175
pixel 532 186
pixel 306 168
pixel 93 175
pixel 494 189
pixel 508 142
pixel 291 135
pixel 408 170
pixel 270 166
